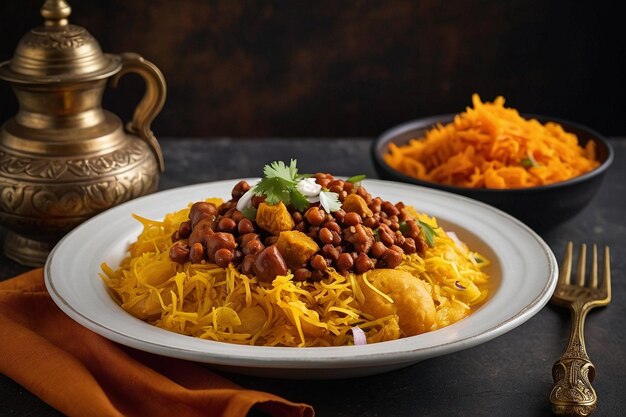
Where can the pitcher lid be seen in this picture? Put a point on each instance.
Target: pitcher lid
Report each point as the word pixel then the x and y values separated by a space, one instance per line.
pixel 58 52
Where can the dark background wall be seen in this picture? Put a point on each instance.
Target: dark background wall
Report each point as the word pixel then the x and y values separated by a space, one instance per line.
pixel 350 68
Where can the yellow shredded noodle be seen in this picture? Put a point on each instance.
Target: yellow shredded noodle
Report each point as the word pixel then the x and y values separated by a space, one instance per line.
pixel 491 146
pixel 209 302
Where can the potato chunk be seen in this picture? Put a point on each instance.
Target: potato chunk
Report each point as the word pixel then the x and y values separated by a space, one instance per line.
pixel 274 219
pixel 355 203
pixel 412 303
pixel 296 248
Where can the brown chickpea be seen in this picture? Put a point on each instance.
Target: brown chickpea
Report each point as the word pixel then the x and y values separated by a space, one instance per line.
pixel 252 247
pixel 218 241
pixel 370 222
pixel 331 252
pixel 375 205
pixel 226 207
pixel 318 262
pixel 240 189
pixel 301 274
pixel 409 245
pixel 196 253
pixel 390 209
pixel 317 275
pixel 345 262
pixel 386 235
pixel 201 210
pixel 247 265
pixel 363 263
pixel 226 224
pixel 184 230
pixel 236 216
pixel 352 219
pixel 245 226
pixel 325 235
pixel 377 249
pixel 223 257
pixel 257 200
pixel 362 192
pixel 179 252
pixel 332 226
pixel 237 256
pixel 297 217
pixel 315 216
pixel 397 249
pixel 323 182
pixel 201 231
pixel 339 215
pixel 414 230
pixel 336 238
pixel 404 215
pixel 391 258
pixel 244 239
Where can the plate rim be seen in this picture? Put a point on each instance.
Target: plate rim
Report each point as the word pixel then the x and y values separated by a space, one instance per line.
pixel 307 361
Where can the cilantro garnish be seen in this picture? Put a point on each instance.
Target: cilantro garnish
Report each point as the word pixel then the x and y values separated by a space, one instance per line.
pixel 429 233
pixel 356 178
pixel 249 213
pixel 330 201
pixel 279 184
pixel 529 162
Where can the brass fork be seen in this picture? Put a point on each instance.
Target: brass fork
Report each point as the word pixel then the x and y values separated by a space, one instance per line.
pixel 573 373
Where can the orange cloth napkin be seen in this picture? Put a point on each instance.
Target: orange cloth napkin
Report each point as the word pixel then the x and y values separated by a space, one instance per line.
pixel 83 374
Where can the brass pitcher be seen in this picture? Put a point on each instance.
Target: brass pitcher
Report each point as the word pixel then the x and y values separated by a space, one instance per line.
pixel 63 158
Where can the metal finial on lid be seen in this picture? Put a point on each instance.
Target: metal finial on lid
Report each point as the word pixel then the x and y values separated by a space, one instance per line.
pixel 56 12
pixel 58 52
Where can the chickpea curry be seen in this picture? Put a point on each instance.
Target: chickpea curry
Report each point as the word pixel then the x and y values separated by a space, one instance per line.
pixel 299 260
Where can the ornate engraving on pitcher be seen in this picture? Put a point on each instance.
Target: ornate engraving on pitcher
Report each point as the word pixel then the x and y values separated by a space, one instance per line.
pixel 30 188
pixel 73 37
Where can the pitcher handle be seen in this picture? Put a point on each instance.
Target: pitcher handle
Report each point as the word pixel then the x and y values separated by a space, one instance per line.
pixel 151 103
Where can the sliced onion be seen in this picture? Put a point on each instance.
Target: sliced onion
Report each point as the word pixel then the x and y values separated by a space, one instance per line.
pixel 459 285
pixel 245 200
pixel 359 336
pixel 456 239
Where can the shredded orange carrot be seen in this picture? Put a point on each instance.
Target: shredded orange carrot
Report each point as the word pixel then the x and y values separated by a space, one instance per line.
pixel 491 146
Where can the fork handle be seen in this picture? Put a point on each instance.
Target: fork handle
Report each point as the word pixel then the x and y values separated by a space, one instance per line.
pixel 573 373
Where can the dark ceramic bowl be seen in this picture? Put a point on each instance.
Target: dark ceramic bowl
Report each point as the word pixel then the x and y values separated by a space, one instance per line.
pixel 539 207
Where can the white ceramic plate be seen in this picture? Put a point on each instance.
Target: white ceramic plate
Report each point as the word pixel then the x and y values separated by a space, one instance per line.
pixel 524 274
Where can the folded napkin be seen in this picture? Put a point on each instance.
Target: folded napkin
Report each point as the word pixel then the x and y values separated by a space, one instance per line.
pixel 83 374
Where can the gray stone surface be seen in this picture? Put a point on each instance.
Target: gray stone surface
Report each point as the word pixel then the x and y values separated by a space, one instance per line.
pixel 508 376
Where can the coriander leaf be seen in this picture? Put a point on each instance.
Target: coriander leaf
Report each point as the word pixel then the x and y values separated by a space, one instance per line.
pixel 275 189
pixel 299 200
pixel 330 201
pixel 356 178
pixel 429 233
pixel 376 235
pixel 293 169
pixel 249 213
pixel 278 169
pixel 529 162
pixel 404 227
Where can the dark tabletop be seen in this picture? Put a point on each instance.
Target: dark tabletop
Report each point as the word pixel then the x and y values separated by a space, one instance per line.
pixel 507 376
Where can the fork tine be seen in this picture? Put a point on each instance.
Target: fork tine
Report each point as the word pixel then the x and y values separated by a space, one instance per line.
pixel 582 258
pixel 606 276
pixel 594 267
pixel 566 265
